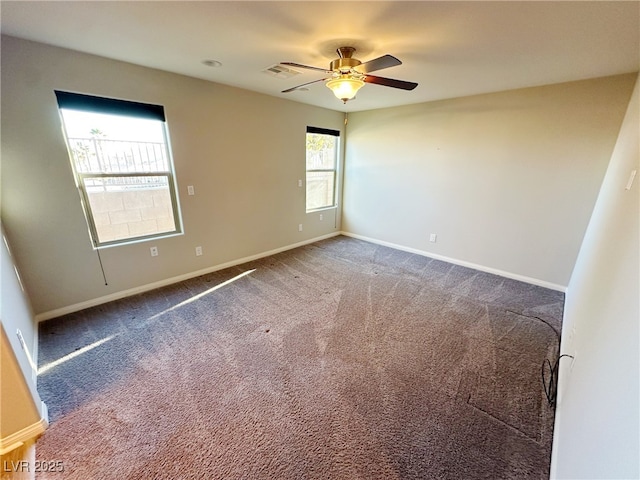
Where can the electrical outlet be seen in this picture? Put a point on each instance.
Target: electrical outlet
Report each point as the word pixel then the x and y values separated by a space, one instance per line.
pixel 198 251
pixel 565 368
pixel 321 217
pixel 154 251
pixel 433 237
pixel 574 354
pixel 190 190
pixel 21 339
pixel 632 175
pixel 299 183
pixel 300 227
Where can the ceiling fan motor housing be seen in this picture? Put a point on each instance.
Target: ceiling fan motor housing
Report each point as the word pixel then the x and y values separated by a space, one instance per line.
pixel 344 64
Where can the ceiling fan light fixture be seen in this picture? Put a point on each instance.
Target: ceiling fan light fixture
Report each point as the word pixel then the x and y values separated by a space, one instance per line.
pixel 348 74
pixel 345 88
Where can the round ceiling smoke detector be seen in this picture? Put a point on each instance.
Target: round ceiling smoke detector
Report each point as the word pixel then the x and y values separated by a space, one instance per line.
pixel 212 63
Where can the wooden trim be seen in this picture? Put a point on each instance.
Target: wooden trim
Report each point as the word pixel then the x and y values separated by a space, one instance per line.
pixel 18 438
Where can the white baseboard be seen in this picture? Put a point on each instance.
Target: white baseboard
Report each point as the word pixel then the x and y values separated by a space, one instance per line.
pixel 462 263
pixel 162 283
pixel 18 438
pixel 169 281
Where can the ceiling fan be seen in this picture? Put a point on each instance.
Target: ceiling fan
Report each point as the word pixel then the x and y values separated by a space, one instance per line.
pixel 348 74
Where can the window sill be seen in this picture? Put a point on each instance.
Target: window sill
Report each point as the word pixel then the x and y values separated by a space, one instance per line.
pixel 133 241
pixel 322 209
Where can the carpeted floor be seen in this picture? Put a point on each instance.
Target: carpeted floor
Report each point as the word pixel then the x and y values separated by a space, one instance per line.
pixel 337 360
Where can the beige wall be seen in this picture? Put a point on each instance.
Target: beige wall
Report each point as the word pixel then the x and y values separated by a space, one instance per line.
pixel 16 314
pixel 18 411
pixel 597 430
pixel 243 152
pixel 22 413
pixel 507 181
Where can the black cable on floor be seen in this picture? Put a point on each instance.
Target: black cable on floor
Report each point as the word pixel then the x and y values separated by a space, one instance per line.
pixel 549 385
pixel 540 319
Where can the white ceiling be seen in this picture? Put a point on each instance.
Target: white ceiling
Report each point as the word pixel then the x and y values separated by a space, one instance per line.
pixel 451 49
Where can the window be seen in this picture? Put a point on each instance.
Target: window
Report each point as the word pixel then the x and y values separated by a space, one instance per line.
pixel 123 168
pixel 322 161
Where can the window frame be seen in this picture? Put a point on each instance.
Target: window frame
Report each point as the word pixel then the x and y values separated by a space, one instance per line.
pixel 124 108
pixel 334 170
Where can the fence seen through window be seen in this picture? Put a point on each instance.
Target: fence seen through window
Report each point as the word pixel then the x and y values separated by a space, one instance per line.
pixel 124 172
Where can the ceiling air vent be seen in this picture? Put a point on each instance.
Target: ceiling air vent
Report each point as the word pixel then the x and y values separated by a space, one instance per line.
pixel 280 71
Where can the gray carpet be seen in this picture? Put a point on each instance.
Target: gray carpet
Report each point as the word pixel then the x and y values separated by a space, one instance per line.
pixel 337 360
